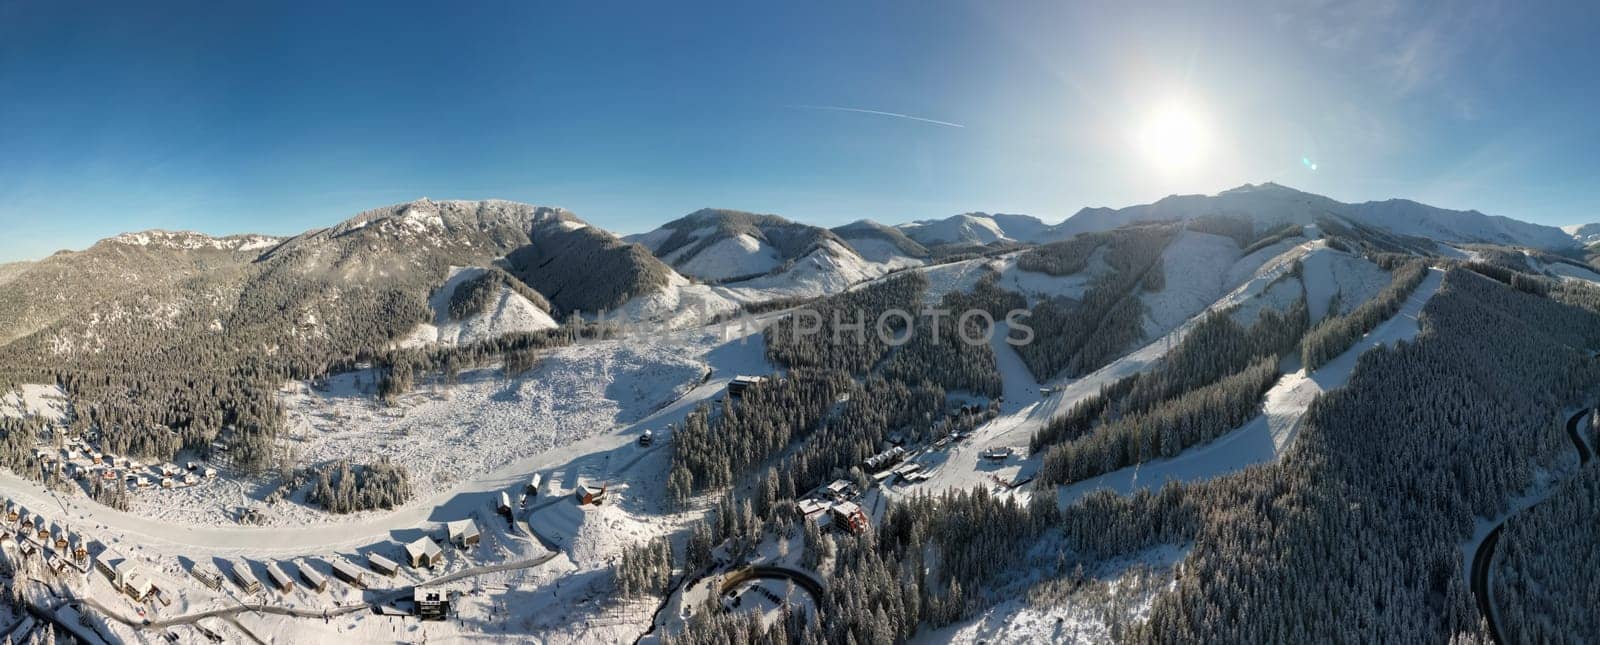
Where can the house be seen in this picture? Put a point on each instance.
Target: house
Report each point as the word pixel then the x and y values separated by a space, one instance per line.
pixel 190 480
pixel 591 494
pixel 12 512
pixel 244 577
pixel 811 509
pixel 209 472
pixel 349 573
pixel 166 482
pixel 382 565
pixel 44 530
pixel 997 454
pixel 169 470
pixel 463 533
pixel 207 574
pixel 740 383
pixel 424 552
pixel 849 516
pixel 839 489
pixel 27 521
pixel 280 580
pixel 80 549
pixel 504 505
pixel 533 485
pixel 314 580
pixel 142 481
pixel 431 603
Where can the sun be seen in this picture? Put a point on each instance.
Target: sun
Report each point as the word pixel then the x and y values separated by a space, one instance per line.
pixel 1174 138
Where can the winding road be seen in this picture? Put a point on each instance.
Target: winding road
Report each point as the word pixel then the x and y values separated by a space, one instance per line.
pixel 1483 557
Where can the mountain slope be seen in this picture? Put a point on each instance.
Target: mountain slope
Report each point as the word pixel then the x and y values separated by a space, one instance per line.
pixel 34 295
pixel 878 242
pixel 980 229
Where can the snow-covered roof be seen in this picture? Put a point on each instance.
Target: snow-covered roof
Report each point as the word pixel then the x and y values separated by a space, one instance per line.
pixel 423 546
pixel 462 528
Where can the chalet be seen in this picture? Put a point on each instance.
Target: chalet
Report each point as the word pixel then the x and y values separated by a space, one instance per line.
pixel 190 480
pixel 533 485
pixel 848 515
pixel 192 466
pixel 591 494
pixel 44 530
pixel 243 577
pixel 166 482
pixel 997 454
pixel 740 383
pixel 108 475
pixel 12 512
pixel 27 522
pixel 142 481
pixel 60 540
pixel 80 549
pixel 207 574
pixel 839 489
pixel 314 580
pixel 431 603
pixel 349 573
pixel 504 506
pixel 463 533
pixel 209 472
pixel 885 459
pixel 424 552
pixel 168 470
pixel 382 565
pixel 280 580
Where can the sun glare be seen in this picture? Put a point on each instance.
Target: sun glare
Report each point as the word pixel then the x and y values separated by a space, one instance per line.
pixel 1174 139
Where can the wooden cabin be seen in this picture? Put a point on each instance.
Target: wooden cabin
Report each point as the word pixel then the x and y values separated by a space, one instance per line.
pixel 280 580
pixel 382 565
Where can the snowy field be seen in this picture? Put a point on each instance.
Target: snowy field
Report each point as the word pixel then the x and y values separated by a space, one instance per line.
pixel 32 399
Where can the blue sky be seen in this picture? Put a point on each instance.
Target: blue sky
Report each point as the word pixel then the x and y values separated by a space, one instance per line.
pixel 233 117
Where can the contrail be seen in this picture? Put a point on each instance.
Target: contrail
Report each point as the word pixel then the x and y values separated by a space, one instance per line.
pixel 897 115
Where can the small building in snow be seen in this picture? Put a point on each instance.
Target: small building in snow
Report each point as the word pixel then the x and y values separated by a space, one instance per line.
pixel 314 579
pixel 504 505
pixel 243 577
pixel 279 578
pixel 741 383
pixel 424 552
pixel 587 494
pixel 207 574
pixel 432 603
pixel 348 573
pixel 463 533
pixel 534 483
pixel 382 565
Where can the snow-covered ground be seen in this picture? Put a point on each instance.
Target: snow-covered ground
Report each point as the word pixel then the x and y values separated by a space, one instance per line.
pixel 732 257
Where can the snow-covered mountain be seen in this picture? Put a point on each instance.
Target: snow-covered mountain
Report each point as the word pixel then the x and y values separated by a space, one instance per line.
pixel 880 243
pixel 1270 205
pixel 979 228
pixel 1585 234
pixel 721 245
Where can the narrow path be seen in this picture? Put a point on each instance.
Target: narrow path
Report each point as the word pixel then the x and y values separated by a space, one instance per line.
pixel 1483 557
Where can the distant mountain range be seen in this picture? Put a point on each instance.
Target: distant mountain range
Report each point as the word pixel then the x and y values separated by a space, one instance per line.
pixel 398 256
